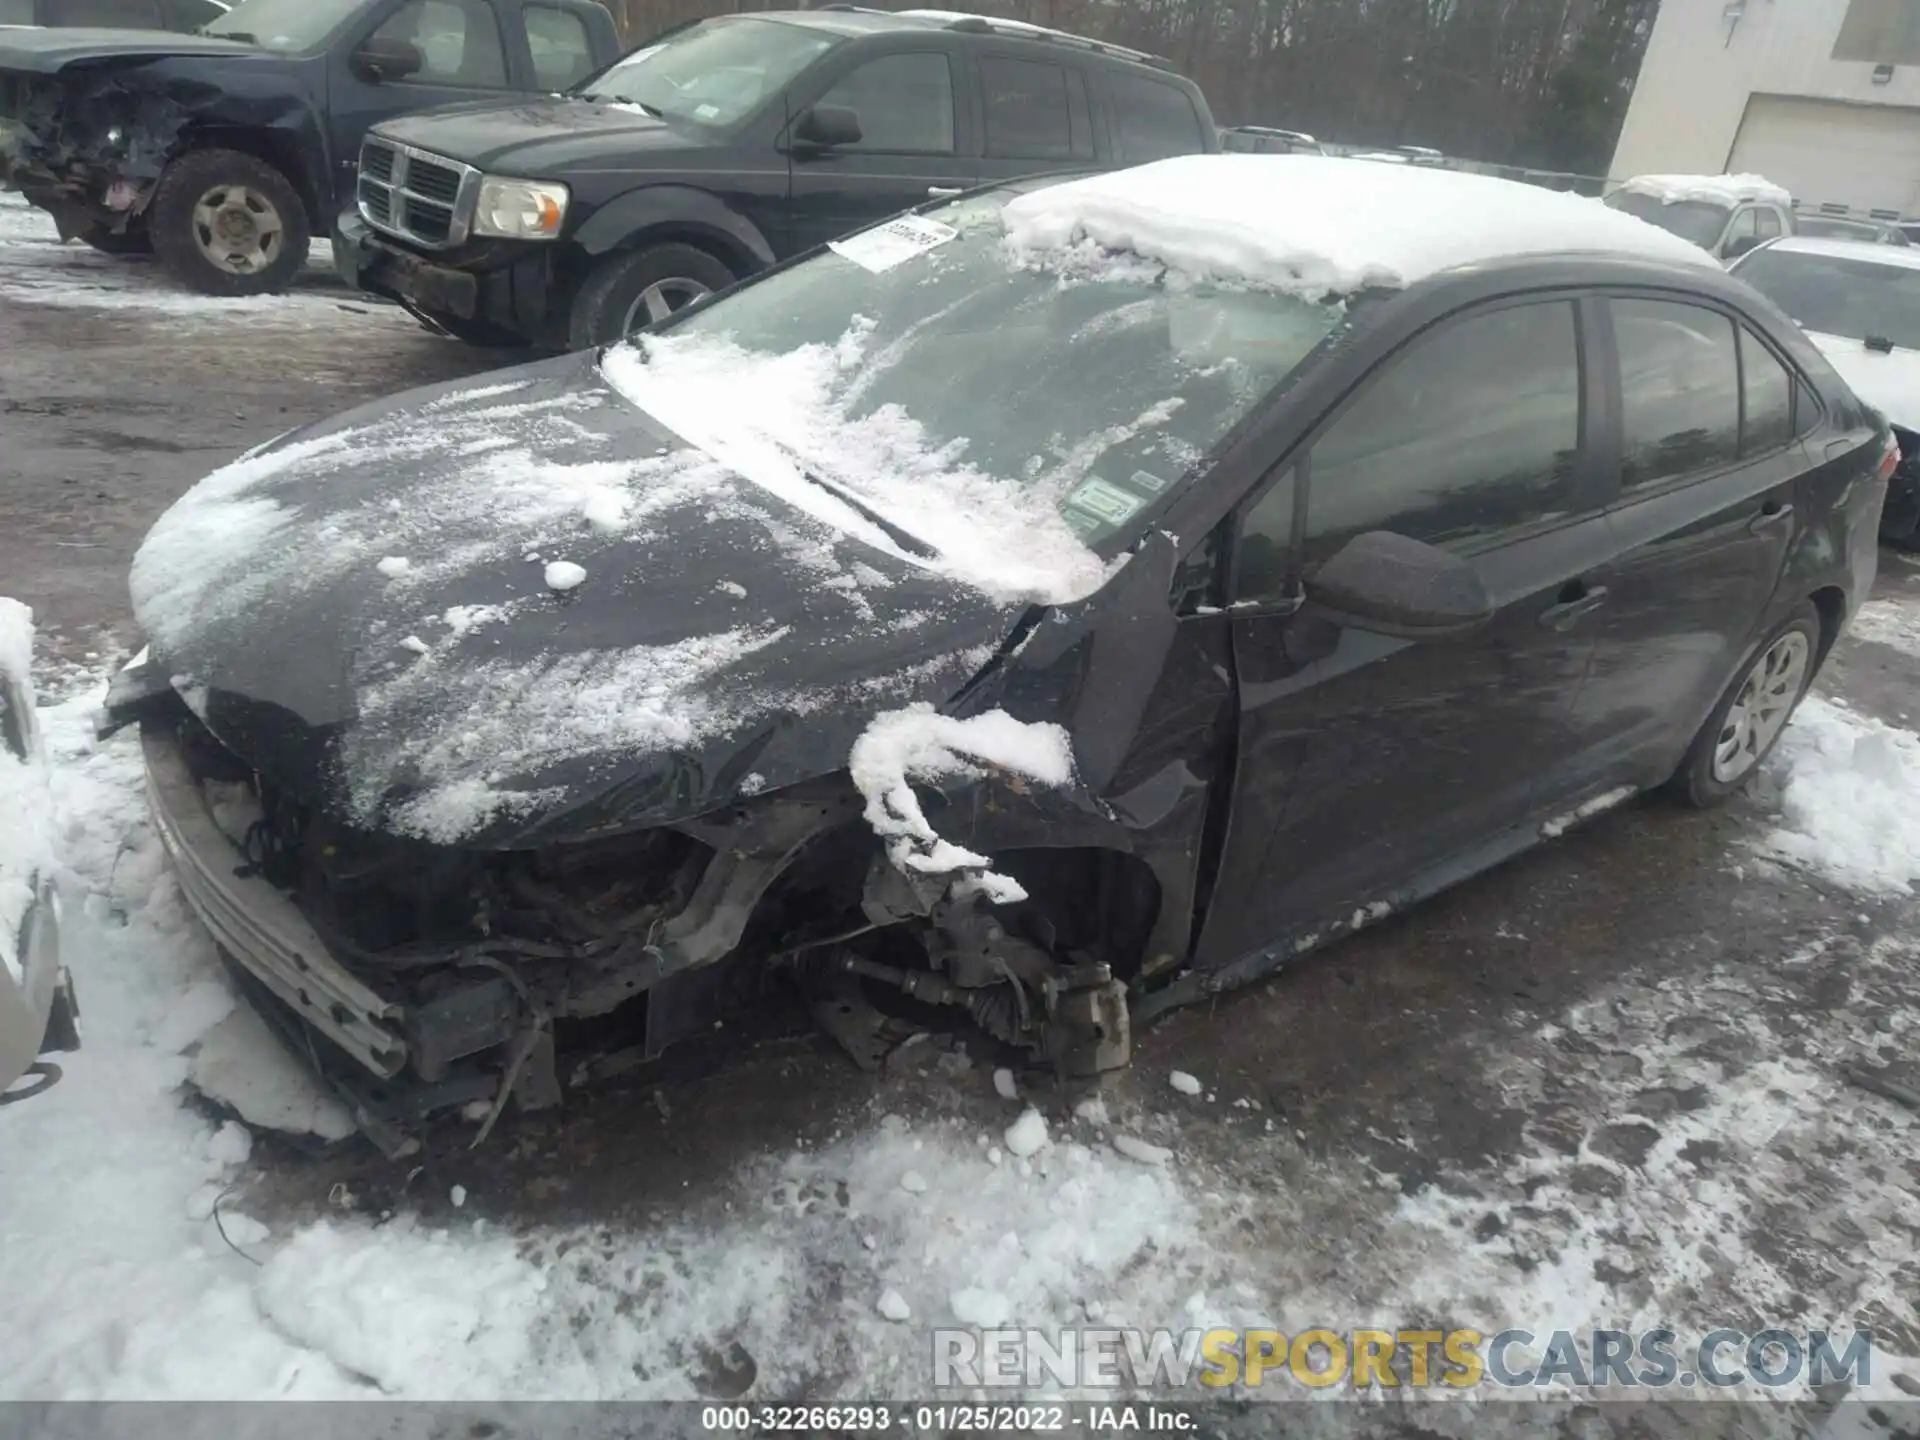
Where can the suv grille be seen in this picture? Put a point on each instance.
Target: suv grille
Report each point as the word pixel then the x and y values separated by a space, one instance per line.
pixel 415 195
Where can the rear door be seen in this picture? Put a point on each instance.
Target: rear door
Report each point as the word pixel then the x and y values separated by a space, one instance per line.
pixel 913 142
pixel 1703 445
pixel 1364 761
pixel 470 54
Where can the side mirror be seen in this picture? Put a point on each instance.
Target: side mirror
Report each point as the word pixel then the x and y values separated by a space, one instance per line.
pixel 1391 585
pixel 381 60
pixel 825 126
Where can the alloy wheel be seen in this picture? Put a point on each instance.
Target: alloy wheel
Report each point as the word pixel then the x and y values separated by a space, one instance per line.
pixel 1760 709
pixel 661 299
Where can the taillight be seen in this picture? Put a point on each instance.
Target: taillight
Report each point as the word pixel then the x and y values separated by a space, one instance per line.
pixel 1890 461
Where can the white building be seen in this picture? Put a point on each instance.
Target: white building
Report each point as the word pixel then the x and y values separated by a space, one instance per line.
pixel 1821 96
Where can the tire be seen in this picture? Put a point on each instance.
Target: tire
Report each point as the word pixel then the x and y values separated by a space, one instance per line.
pixel 134 240
pixel 623 293
pixel 1740 733
pixel 228 223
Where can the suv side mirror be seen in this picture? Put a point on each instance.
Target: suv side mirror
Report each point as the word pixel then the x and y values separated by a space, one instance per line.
pixel 381 59
pixel 1391 585
pixel 825 126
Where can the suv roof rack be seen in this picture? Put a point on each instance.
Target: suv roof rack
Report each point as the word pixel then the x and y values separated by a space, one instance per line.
pixel 970 24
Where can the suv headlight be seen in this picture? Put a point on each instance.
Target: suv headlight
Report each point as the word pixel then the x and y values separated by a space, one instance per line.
pixel 520 209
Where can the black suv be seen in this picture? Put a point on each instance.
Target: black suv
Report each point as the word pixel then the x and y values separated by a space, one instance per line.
pixel 724 146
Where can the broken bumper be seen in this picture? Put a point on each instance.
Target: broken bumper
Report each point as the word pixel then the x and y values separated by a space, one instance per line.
pixel 256 925
pixel 512 295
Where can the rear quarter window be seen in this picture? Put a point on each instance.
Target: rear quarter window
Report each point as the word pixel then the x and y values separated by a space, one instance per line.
pixel 1152 119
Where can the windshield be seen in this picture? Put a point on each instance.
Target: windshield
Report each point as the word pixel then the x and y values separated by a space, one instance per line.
pixel 713 73
pixel 283 24
pixel 1840 295
pixel 1695 220
pixel 928 369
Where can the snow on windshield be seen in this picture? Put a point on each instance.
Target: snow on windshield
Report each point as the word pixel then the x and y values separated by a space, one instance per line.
pixel 1317 227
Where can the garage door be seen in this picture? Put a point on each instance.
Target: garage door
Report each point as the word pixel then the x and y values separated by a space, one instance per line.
pixel 1866 156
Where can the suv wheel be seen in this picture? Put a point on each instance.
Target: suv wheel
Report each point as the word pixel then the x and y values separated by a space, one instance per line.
pixel 134 240
pixel 1745 725
pixel 228 223
pixel 629 292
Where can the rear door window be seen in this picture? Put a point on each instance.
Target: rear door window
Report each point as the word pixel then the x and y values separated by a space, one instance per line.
pixel 1472 431
pixel 1766 388
pixel 1152 119
pixel 1766 223
pixel 1029 109
pixel 905 104
pixel 1679 390
pixel 562 49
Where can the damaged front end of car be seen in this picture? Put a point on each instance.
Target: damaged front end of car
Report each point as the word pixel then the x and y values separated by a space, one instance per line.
pixel 87 144
pixel 417 977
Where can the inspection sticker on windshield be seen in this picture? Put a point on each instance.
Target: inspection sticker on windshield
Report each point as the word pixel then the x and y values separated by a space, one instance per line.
pixel 1109 502
pixel 885 246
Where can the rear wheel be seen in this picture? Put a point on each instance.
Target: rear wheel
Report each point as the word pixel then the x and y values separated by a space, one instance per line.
pixel 134 240
pixel 228 223
pixel 1746 724
pixel 629 292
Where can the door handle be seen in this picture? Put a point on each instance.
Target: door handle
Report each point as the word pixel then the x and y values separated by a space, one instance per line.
pixel 944 192
pixel 1577 600
pixel 1772 514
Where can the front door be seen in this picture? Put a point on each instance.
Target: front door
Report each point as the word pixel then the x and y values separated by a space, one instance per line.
pixel 466 49
pixel 1364 761
pixel 909 150
pixel 1707 459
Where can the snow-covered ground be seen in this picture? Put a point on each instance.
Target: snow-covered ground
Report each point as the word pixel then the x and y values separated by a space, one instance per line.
pixel 829 1264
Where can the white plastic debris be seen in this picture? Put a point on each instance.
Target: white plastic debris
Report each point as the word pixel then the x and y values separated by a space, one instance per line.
pixel 394 566
pixel 1027 1134
pixel 893 1306
pixel 564 575
pixel 1184 1083
pixel 1003 1082
pixel 1143 1151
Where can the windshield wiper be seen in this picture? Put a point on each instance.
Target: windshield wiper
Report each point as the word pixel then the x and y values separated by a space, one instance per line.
pixel 242 36
pixel 905 539
pixel 652 110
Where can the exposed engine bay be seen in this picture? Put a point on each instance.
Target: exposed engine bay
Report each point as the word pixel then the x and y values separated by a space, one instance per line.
pixel 512 975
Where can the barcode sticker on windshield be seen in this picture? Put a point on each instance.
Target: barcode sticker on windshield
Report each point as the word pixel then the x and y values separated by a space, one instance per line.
pixel 900 239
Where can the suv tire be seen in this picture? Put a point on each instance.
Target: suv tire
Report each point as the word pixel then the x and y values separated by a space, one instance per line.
pixel 628 292
pixel 1747 723
pixel 227 223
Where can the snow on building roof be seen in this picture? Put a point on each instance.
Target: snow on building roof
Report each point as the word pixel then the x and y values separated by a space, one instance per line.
pixel 1319 226
pixel 1726 190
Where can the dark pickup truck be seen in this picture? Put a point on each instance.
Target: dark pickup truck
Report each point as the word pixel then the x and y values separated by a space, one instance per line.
pixel 725 146
pixel 224 152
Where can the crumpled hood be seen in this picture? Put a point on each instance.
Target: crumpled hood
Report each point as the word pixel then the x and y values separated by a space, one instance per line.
pixel 372 612
pixel 45 51
pixel 543 136
pixel 1888 381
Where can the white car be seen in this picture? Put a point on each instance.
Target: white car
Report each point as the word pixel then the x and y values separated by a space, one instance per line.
pixel 1859 302
pixel 1725 215
pixel 37 1013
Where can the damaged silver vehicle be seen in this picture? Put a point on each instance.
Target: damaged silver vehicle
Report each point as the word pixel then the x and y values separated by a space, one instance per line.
pixel 1000 617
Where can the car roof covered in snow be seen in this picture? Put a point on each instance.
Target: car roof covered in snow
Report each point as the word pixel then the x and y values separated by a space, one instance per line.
pixel 1318 226
pixel 1726 190
pixel 1894 257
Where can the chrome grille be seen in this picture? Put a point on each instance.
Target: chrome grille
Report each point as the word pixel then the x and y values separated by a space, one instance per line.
pixel 414 194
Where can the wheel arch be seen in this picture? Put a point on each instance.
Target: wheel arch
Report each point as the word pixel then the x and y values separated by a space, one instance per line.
pixel 1830 603
pixel 272 147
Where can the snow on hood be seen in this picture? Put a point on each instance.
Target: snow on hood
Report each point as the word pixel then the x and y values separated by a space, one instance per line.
pixel 1003 537
pixel 1728 190
pixel 1888 381
pixel 1316 226
pixel 365 611
pixel 25 838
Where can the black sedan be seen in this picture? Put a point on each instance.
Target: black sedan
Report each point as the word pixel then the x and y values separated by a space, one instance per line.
pixel 1048 608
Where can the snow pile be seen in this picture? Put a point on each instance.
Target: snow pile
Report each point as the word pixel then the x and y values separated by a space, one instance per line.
pixel 25 841
pixel 1003 536
pixel 1315 226
pixel 900 747
pixel 1849 799
pixel 1887 622
pixel 1727 190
